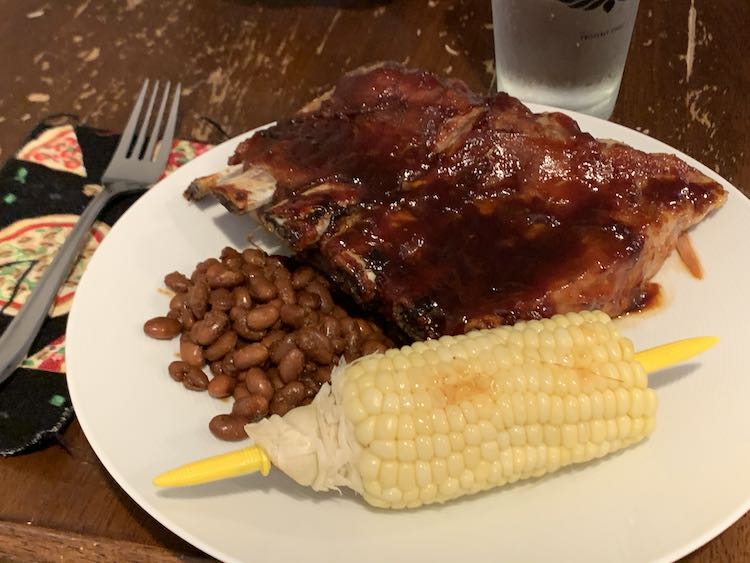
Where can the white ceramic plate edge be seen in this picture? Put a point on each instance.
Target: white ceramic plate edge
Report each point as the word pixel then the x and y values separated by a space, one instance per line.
pixel 101 450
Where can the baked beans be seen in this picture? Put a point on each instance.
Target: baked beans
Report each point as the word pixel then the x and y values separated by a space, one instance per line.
pixel 270 332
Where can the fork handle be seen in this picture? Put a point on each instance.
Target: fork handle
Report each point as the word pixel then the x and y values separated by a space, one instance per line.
pixel 21 332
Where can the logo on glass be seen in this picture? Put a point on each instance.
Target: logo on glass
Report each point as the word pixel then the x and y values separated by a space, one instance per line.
pixel 607 5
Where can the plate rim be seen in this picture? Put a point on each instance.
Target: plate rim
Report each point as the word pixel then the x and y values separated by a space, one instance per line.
pixel 170 523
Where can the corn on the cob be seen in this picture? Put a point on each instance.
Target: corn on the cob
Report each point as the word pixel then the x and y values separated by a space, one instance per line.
pixel 440 419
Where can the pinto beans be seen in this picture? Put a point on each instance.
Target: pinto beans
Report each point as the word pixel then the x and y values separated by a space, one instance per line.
pixel 272 337
pixel 228 427
pixel 326 301
pixel 250 355
pixel 229 253
pixel 178 302
pixel 291 365
pixel 218 275
pixel 269 332
pixel 227 365
pixel 208 329
pixel 373 346
pixel 279 348
pixel 288 397
pixel 323 374
pixel 262 317
pixel 203 266
pixel 222 346
pixel 162 328
pixel 254 256
pixel 302 276
pixel 191 353
pixel 308 300
pixel 262 289
pixel 240 325
pixel 242 297
pixel 251 408
pixel 221 299
pixel 177 282
pixel 221 386
pixel 197 298
pixel 195 379
pixel 329 326
pixel 239 392
pixel 187 319
pixel 177 370
pixel 275 379
pixel 284 289
pixel 292 315
pixel 315 345
pixel 258 383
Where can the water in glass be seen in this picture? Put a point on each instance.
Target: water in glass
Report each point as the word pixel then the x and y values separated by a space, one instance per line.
pixel 565 53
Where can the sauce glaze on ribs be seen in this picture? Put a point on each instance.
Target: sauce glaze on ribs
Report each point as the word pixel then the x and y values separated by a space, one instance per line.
pixel 447 211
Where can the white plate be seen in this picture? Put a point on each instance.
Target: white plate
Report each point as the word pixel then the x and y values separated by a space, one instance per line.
pixel 656 501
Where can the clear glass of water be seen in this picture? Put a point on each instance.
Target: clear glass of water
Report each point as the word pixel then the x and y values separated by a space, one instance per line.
pixel 563 53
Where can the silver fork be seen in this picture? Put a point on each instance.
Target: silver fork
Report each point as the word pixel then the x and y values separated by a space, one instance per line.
pixel 131 169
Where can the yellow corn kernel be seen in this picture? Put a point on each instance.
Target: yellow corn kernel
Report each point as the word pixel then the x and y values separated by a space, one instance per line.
pixel 488 432
pixel 355 410
pixel 428 493
pixel 495 477
pixel 384 380
pixel 482 471
pixel 384 449
pixel 365 431
pixel 439 470
pixel 423 473
pixel 406 450
pixel 517 434
pixel 440 422
pixel 490 451
pixel 457 441
pixel 472 435
pixel 553 434
pixel 386 426
pixel 369 465
pixel 391 403
pixel 372 400
pixel 472 457
pixel 456 418
pixel 424 447
pixel 441 445
pixel 534 435
pixel 388 474
pixel 407 478
pixel 406 427
pixel 440 419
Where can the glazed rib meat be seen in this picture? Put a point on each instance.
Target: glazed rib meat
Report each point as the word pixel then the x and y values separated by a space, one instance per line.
pixel 446 211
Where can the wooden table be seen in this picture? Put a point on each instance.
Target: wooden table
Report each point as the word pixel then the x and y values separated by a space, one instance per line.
pixel 246 62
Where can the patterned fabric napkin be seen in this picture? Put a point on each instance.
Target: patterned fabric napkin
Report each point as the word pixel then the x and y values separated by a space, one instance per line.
pixel 43 189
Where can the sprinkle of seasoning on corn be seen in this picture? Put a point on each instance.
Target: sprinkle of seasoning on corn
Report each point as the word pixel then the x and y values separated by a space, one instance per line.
pixel 445 418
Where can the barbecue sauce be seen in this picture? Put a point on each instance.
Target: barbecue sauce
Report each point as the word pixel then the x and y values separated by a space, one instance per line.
pixel 516 216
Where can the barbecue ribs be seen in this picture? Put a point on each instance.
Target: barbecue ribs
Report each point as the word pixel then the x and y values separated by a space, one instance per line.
pixel 447 211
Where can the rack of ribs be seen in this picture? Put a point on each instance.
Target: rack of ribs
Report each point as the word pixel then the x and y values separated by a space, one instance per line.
pixel 446 211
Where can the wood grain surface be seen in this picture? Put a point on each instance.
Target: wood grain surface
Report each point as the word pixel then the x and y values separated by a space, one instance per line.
pixel 244 63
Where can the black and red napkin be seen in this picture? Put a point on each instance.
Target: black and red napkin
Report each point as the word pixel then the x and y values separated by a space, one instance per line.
pixel 43 190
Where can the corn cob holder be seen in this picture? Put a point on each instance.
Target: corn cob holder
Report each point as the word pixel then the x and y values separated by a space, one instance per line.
pixel 445 418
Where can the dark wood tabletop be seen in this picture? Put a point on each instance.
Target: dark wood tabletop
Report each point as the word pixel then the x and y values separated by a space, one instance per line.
pixel 244 63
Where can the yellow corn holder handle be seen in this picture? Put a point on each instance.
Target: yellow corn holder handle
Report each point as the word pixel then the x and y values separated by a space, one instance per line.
pixel 667 355
pixel 223 466
pixel 252 459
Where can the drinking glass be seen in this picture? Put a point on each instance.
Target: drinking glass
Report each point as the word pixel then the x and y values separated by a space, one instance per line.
pixel 564 53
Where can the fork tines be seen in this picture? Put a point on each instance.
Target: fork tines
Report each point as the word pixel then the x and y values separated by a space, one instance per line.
pixel 131 147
